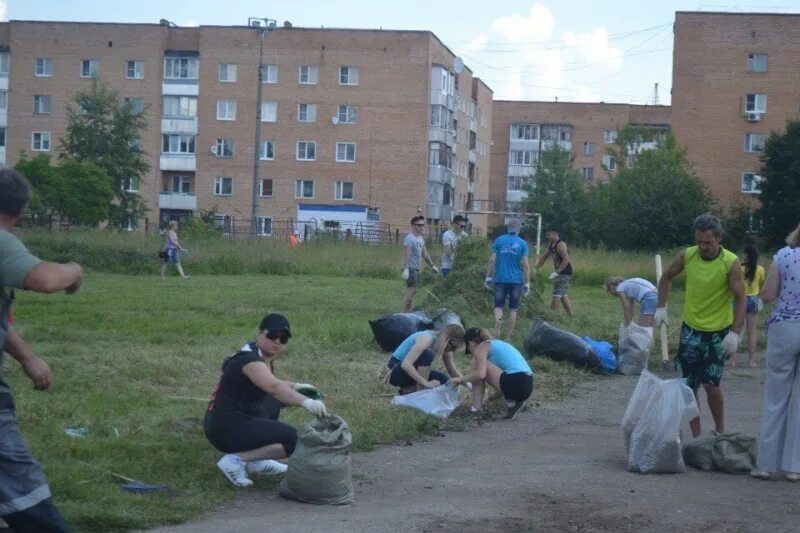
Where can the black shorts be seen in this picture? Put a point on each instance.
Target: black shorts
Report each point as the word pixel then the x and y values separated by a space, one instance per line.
pixel 233 433
pixel 399 378
pixel 517 386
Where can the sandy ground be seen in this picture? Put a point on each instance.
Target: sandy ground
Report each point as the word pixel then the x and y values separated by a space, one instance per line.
pixel 558 467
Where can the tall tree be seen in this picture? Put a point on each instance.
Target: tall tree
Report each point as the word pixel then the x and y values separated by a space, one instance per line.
pixel 780 187
pixel 632 140
pixel 104 130
pixel 556 192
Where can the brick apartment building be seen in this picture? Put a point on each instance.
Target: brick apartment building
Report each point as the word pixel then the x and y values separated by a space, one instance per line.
pixel 736 79
pixel 522 130
pixel 357 125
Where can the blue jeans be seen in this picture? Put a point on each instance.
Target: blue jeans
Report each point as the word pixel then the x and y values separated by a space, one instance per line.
pixel 648 304
pixel 512 291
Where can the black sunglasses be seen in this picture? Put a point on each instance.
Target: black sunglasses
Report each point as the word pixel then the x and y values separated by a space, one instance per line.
pixel 283 338
pixel 420 225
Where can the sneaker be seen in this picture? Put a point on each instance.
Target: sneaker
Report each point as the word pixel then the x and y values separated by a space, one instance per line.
pixel 759 474
pixel 267 467
pixel 234 469
pixel 513 409
pixel 792 476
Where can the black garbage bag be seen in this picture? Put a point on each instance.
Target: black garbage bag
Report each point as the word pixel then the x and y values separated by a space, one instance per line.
pixel 560 345
pixel 444 317
pixel 390 330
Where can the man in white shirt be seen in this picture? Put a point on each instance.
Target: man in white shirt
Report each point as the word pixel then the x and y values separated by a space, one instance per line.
pixel 450 239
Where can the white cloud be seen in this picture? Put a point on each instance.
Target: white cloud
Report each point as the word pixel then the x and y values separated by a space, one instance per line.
pixel 3 12
pixel 594 47
pixel 586 95
pixel 478 43
pixel 537 26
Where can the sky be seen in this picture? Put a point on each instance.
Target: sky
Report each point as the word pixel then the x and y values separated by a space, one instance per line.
pixel 572 50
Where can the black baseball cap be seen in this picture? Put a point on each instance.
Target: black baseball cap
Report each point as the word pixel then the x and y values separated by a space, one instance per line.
pixel 275 322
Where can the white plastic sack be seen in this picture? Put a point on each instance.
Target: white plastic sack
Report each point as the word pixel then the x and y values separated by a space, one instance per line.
pixel 645 388
pixel 439 401
pixel 655 446
pixel 634 348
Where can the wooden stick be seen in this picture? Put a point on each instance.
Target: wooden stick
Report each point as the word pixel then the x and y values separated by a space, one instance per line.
pixel 664 349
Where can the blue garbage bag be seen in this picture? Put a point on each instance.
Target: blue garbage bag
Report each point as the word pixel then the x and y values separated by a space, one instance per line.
pixel 608 359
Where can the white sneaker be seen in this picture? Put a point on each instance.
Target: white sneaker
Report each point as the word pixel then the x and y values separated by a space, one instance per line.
pixel 267 467
pixel 234 469
pixel 759 474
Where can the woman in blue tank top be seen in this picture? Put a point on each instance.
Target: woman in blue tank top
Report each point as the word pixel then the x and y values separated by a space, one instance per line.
pixel 500 365
pixel 410 364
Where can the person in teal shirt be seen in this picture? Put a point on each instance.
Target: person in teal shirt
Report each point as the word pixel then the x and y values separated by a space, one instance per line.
pixel 508 274
pixel 410 364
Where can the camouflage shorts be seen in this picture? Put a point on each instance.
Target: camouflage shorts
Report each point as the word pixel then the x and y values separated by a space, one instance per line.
pixel 700 357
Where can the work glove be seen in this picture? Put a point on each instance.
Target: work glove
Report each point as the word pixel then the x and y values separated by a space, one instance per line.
pixel 759 304
pixel 553 276
pixel 315 407
pixel 526 289
pixel 488 283
pixel 435 269
pixel 730 344
pixel 405 273
pixel 307 390
pixel 660 317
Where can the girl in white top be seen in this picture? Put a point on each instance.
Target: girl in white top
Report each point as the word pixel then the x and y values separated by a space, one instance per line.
pixel 634 290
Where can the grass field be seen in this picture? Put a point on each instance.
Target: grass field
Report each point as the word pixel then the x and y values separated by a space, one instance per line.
pixel 135 358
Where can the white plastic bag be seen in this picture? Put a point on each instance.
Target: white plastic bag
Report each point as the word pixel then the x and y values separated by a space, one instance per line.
pixel 634 348
pixel 645 388
pixel 439 401
pixel 655 446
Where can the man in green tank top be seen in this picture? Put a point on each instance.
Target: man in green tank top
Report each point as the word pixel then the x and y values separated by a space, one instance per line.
pixel 711 327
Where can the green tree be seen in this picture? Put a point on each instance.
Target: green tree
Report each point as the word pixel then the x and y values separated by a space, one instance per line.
pixel 104 130
pixel 76 192
pixel 650 204
pixel 780 188
pixel 631 140
pixel 556 192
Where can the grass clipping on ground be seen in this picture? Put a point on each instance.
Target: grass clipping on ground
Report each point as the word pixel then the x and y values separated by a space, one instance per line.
pixel 463 292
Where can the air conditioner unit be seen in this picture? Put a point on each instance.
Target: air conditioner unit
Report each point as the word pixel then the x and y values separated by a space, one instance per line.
pixel 753 117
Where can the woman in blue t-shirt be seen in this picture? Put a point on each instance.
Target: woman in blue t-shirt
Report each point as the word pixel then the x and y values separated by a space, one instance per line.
pixel 500 365
pixel 410 364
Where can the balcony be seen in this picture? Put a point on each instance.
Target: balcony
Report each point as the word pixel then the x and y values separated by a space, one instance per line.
pixel 168 200
pixel 441 135
pixel 440 174
pixel 180 88
pixel 515 196
pixel 524 145
pixel 181 162
pixel 179 125
pixel 522 171
pixel 547 145
pixel 472 156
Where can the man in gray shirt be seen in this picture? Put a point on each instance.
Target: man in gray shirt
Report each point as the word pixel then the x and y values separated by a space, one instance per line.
pixel 413 252
pixel 25 502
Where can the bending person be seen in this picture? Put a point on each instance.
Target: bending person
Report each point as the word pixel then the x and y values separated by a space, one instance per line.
pixel 410 364
pixel 634 290
pixel 500 365
pixel 242 416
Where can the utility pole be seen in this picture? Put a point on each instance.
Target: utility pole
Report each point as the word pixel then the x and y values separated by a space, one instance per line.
pixel 263 25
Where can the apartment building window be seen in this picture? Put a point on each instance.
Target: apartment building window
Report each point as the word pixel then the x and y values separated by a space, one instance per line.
pixel 344 190
pixel 4 101
pixel 265 226
pixel 269 111
pixel 610 136
pixel 224 222
pixel 587 173
pixel 180 106
pixel 135 70
pixel 521 157
pixel 227 72
pixel 267 152
pixel 136 105
pixel 224 148
pixel 588 148
pixel 304 189
pixel 345 152
pixel 524 132
pixel 440 154
pixel 756 62
pixel 40 141
pixel 223 186
pixel 2 137
pixel 441 117
pixel 473 140
pixel 751 182
pixel 306 150
pixel 309 74
pixel 754 142
pixel 269 74
pixel 177 144
pixel 347 114
pixel 306 112
pixel 755 103
pixel 130 184
pixel 44 67
pixel 610 162
pixel 3 63
pixel 226 109
pixel 89 68
pixel 515 183
pixel 265 189
pixel 181 185
pixel 181 68
pixel 348 75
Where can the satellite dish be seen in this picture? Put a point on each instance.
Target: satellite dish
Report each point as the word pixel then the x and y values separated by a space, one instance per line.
pixel 458 65
pixel 335 119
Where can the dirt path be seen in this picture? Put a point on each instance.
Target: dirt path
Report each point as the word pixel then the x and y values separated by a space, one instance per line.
pixel 555 468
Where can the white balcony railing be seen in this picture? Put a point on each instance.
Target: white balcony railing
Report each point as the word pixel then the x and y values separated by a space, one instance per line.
pixel 185 162
pixel 179 125
pixel 167 200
